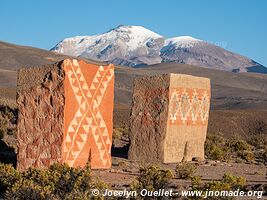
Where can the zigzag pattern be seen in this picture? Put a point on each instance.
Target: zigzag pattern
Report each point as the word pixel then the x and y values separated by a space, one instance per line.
pixel 88 118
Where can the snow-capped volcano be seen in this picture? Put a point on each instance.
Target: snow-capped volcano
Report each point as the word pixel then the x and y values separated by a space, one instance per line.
pixel 124 45
pixel 137 46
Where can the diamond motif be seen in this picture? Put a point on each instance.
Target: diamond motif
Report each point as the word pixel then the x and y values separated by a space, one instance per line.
pixel 185 106
pixel 194 107
pixel 204 107
pixel 174 106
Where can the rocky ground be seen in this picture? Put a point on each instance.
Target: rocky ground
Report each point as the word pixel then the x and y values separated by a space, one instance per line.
pixel 124 172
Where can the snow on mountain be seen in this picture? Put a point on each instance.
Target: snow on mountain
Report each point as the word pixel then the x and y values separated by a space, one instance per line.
pixel 135 35
pixel 137 46
pixel 122 44
pixel 188 50
pixel 182 41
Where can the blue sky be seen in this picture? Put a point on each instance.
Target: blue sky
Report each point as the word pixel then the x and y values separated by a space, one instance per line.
pixel 237 25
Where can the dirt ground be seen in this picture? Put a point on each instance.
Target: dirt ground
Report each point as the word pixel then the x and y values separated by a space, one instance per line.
pixel 124 172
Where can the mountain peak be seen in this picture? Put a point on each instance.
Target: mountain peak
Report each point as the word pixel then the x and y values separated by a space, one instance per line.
pixel 137 46
pixel 123 27
pixel 135 30
pixel 182 41
pixel 116 44
pixel 185 38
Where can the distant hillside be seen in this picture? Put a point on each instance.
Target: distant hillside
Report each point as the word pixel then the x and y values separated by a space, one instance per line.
pixel 229 90
pixel 13 57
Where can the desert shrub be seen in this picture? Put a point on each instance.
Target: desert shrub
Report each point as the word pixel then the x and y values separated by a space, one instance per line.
pixel 3 127
pixel 195 181
pixel 258 140
pixel 69 180
pixel 264 154
pixel 8 118
pixel 99 184
pixel 185 170
pixel 9 113
pixel 57 182
pixel 239 160
pixel 238 145
pixel 118 132
pixel 216 148
pixel 246 155
pixel 241 149
pixel 28 189
pixel 152 178
pixel 8 177
pixel 216 153
pixel 229 182
pixel 216 139
pixel 235 182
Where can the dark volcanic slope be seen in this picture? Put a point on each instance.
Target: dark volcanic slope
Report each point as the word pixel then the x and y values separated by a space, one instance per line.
pixel 13 56
pixel 210 56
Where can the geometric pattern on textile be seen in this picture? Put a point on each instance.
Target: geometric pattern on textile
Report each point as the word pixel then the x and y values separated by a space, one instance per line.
pixel 88 120
pixel 189 106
